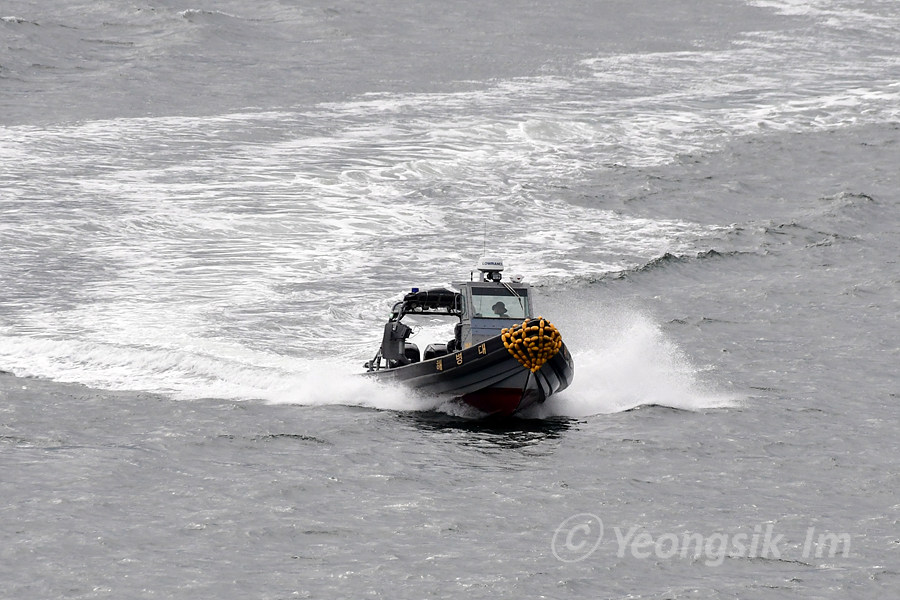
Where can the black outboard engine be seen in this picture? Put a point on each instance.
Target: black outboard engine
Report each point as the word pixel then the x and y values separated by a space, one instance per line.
pixel 394 346
pixel 411 351
pixel 434 351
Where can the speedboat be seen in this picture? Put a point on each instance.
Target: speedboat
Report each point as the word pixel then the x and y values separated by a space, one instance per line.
pixel 502 358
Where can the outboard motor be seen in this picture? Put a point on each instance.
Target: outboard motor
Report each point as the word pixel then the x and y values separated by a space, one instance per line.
pixel 434 351
pixel 394 346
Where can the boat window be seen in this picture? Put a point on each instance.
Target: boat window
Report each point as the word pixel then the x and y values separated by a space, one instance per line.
pixel 493 303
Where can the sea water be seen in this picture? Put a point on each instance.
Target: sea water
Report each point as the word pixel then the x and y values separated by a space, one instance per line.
pixel 207 210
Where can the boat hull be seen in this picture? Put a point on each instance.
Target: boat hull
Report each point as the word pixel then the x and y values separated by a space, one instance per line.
pixel 486 376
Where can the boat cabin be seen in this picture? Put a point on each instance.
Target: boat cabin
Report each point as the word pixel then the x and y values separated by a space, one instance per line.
pixel 483 307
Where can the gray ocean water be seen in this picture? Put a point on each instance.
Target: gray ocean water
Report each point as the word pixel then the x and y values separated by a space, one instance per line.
pixel 208 208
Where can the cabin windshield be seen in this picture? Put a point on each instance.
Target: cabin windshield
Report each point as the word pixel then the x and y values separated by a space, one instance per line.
pixel 499 303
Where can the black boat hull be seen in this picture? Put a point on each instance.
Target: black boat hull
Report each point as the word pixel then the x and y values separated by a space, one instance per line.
pixel 486 376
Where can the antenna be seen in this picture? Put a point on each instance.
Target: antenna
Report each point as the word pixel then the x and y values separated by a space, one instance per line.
pixel 484 243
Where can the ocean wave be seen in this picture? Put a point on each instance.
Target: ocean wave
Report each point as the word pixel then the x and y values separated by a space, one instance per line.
pixel 18 21
pixel 668 259
pixel 663 261
pixel 839 15
pixel 192 14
